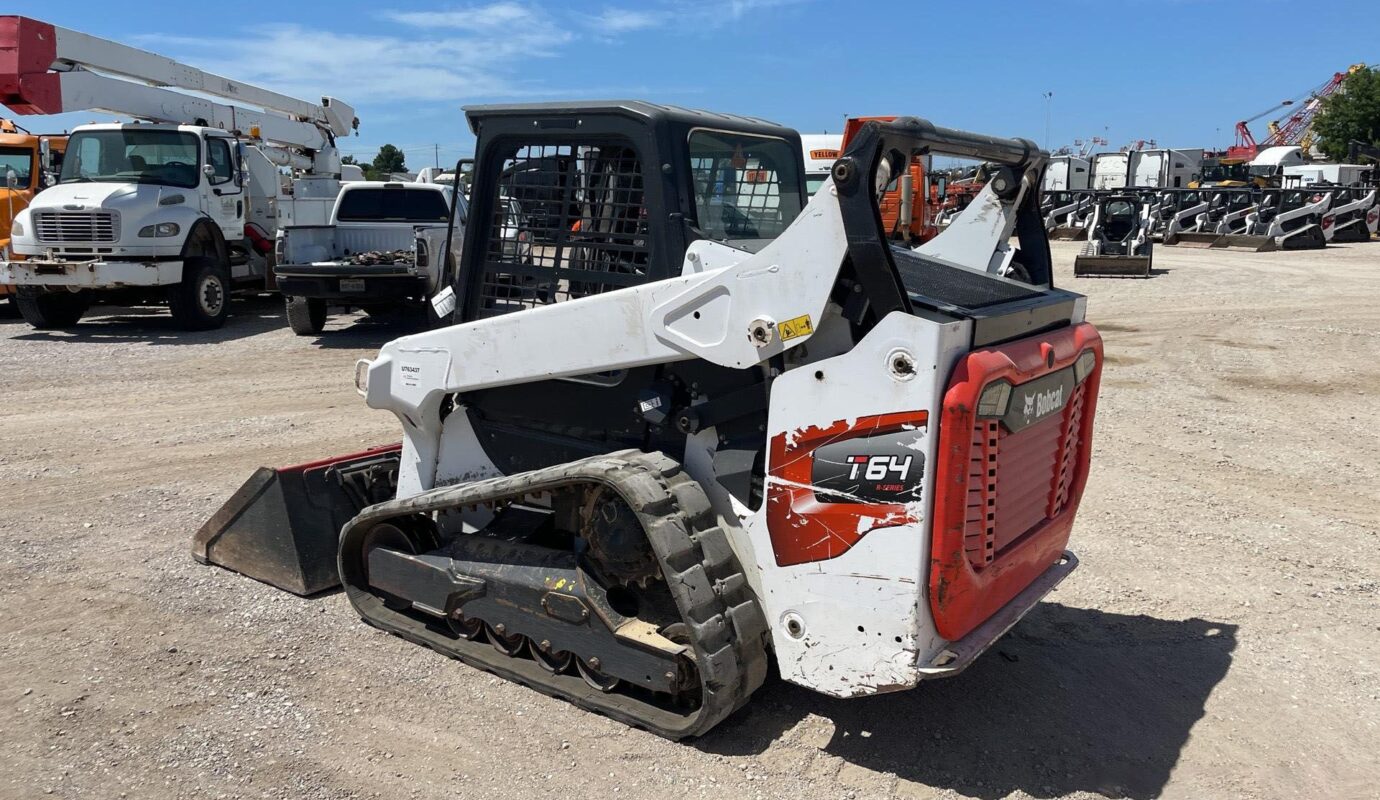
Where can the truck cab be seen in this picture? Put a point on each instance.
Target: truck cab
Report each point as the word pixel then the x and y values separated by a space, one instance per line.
pixel 139 209
pixel 381 249
pixel 26 166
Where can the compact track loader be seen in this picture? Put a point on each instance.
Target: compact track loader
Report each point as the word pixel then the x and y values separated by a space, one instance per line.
pixel 1179 214
pixel 1118 239
pixel 1354 215
pixel 706 420
pixel 1285 219
pixel 1228 213
pixel 1067 214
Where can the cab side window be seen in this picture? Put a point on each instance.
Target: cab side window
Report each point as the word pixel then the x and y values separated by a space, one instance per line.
pixel 218 156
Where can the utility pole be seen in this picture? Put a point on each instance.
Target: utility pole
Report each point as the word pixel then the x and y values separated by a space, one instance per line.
pixel 436 149
pixel 1049 102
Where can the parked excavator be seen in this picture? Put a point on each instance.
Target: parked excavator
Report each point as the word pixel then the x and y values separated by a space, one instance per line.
pixel 1118 239
pixel 717 420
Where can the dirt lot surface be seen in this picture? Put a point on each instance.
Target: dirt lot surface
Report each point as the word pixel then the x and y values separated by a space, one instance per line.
pixel 1221 639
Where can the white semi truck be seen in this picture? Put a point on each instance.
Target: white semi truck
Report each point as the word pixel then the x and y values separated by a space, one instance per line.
pixel 182 206
pixel 1165 168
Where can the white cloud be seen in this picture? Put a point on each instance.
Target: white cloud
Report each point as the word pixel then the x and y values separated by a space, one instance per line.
pixel 473 18
pixel 613 21
pixel 454 54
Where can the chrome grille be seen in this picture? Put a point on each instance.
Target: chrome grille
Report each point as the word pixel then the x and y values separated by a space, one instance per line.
pixel 77 226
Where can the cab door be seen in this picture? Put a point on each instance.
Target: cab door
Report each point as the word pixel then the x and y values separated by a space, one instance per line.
pixel 225 205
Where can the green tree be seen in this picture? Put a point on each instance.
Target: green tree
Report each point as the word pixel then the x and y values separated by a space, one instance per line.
pixel 389 160
pixel 1352 112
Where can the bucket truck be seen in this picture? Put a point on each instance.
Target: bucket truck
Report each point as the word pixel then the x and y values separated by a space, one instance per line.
pixel 180 206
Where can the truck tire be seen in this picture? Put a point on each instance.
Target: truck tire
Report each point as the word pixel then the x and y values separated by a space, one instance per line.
pixel 306 315
pixel 51 310
pixel 9 309
pixel 201 301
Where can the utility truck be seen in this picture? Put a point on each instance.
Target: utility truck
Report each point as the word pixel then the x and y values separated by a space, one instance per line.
pixel 28 163
pixel 381 249
pixel 181 206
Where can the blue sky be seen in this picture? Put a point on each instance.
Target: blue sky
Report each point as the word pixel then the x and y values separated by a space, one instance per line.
pixel 1180 72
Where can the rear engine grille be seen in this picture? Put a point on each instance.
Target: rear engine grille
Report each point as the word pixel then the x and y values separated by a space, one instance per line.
pixel 77 226
pixel 1017 481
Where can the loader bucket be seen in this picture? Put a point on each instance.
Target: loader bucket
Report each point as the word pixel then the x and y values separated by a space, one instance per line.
pixel 1112 266
pixel 1241 241
pixel 1069 233
pixel 282 526
pixel 1198 240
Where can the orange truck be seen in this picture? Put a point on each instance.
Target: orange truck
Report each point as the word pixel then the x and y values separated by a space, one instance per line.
pixel 911 201
pixel 24 160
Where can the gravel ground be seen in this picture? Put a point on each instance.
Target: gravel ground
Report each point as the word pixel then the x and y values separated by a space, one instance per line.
pixel 1220 639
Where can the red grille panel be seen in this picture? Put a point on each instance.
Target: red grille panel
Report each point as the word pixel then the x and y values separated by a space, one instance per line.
pixel 1004 502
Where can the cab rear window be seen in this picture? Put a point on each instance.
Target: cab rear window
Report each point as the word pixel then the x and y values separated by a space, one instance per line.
pixel 392 204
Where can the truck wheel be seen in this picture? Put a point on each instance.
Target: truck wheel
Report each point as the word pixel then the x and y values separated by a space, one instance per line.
pixel 306 315
pixel 49 310
pixel 9 309
pixel 201 301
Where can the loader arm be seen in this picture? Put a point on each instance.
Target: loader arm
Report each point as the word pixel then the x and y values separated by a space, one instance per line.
pixel 728 307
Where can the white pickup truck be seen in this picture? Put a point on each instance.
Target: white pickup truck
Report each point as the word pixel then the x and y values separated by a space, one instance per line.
pixel 382 249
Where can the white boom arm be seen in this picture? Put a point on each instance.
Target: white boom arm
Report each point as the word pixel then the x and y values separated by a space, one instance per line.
pixel 56 70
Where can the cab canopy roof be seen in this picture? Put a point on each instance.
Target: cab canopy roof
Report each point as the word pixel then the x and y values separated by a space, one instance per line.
pixel 563 114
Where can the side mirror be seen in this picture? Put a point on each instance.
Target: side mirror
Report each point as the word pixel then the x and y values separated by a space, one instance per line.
pixel 241 178
pixel 208 170
pixel 11 178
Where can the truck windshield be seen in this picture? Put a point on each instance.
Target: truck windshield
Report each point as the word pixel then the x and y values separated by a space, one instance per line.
pixel 130 155
pixel 746 187
pixel 392 204
pixel 19 159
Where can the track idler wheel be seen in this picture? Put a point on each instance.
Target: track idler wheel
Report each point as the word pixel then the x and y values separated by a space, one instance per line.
pixel 504 642
pixel 554 662
pixel 408 538
pixel 589 670
pixel 464 628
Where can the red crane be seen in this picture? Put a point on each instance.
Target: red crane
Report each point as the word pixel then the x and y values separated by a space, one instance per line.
pixel 1290 131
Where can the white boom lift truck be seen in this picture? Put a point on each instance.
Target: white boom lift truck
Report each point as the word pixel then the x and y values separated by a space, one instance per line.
pixel 181 206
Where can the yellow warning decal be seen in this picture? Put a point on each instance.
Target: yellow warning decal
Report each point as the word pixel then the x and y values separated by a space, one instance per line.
pixel 822 155
pixel 795 328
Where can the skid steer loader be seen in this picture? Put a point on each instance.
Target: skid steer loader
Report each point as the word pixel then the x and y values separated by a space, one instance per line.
pixel 707 420
pixel 1228 212
pixel 1286 219
pixel 1066 217
pixel 1354 214
pixel 1180 210
pixel 1118 240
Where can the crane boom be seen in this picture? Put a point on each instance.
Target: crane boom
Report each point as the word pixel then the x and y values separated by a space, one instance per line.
pixel 47 69
pixel 1291 131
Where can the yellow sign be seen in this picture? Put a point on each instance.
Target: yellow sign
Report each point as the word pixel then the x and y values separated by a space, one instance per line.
pixel 821 155
pixel 795 328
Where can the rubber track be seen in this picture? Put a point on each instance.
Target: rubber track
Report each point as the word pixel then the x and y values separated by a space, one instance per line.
pixel 727 628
